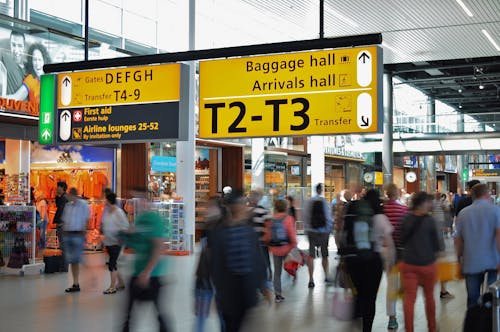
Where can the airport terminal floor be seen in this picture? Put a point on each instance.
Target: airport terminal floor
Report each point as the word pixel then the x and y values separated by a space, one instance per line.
pixel 38 303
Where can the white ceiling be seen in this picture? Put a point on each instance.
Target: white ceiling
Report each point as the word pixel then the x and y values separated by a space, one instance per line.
pixel 413 30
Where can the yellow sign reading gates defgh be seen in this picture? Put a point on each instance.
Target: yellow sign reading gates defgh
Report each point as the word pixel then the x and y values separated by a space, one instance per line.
pixel 306 93
pixel 120 86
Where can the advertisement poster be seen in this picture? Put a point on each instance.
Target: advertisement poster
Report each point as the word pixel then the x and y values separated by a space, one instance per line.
pixel 22 57
pixel 70 153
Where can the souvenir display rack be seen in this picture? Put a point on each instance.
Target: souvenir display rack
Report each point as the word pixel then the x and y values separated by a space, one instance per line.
pixel 19 222
pixel 172 212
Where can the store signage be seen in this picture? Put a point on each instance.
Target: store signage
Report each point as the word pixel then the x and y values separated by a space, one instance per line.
pixel 379 178
pixel 343 152
pixel 306 93
pixel 114 105
pixel 484 173
pixel 465 174
pixel 163 164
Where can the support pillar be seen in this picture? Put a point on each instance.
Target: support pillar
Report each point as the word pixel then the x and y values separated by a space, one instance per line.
pixel 387 140
pixel 186 149
pixel 431 117
pixel 317 150
pixel 258 174
pixel 430 174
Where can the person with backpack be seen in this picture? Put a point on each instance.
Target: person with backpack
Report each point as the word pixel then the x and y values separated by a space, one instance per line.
pixel 367 232
pixel 281 237
pixel 421 243
pixel 318 225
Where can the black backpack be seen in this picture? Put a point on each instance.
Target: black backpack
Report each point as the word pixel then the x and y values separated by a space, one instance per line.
pixel 358 228
pixel 318 218
pixel 279 235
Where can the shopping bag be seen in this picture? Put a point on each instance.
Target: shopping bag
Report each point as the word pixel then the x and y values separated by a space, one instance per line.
pixel 343 304
pixel 394 284
pixel 448 271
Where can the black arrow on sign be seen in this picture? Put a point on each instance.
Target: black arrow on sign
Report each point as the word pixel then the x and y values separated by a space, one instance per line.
pixel 66 81
pixel 365 122
pixel 363 57
pixel 65 116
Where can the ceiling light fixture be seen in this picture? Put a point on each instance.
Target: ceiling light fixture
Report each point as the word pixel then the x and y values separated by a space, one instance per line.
pixel 460 105
pixel 460 90
pixel 492 41
pixel 464 7
pixel 481 86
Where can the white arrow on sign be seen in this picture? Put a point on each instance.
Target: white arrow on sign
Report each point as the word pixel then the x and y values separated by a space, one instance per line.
pixel 364 111
pixel 65 125
pixel 364 68
pixel 66 90
pixel 46 134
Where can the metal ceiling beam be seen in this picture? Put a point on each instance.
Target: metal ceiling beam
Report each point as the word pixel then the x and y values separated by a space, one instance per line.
pixel 452 77
pixel 217 53
pixel 470 99
pixel 450 66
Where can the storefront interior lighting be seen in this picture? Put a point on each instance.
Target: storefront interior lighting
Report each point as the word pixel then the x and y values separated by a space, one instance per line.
pixel 461 145
pixel 490 38
pixel 490 143
pixel 423 146
pixel 464 7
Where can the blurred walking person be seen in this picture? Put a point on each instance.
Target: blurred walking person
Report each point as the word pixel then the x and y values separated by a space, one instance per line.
pixel 367 231
pixel 281 236
pixel 237 267
pixel 149 267
pixel 75 219
pixel 477 242
pixel 421 244
pixel 318 225
pixel 113 222
pixel 395 211
pixel 204 291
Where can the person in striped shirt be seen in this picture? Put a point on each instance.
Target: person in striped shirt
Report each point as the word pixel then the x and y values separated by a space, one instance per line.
pixel 395 211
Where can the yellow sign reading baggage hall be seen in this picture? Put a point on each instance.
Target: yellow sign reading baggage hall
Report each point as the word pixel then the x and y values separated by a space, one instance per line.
pixel 306 93
pixel 120 86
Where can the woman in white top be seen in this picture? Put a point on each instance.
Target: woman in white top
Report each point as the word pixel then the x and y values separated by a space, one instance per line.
pixel 114 220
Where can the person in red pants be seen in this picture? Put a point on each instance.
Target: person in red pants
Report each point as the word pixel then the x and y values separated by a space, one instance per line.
pixel 420 239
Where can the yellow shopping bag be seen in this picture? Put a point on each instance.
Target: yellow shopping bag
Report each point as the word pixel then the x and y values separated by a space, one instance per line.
pixel 448 271
pixel 394 284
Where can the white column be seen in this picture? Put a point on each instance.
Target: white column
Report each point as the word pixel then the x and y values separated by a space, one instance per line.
pixel 258 177
pixel 186 149
pixel 317 150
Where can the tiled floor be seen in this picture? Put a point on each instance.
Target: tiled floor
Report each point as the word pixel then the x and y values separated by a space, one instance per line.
pixel 38 303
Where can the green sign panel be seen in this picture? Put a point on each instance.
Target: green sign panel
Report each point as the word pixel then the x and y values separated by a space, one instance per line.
pixel 46 120
pixel 465 174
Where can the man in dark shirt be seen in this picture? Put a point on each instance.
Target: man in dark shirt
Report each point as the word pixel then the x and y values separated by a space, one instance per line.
pixel 61 201
pixel 466 200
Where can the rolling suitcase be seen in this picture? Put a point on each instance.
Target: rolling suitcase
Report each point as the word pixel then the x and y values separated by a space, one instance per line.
pixel 495 291
pixel 52 263
pixel 479 318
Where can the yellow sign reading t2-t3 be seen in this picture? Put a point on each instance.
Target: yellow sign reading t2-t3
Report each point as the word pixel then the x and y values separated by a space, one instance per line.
pixel 306 93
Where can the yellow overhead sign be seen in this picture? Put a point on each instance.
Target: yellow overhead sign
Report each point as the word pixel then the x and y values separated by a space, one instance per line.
pixel 306 93
pixel 120 86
